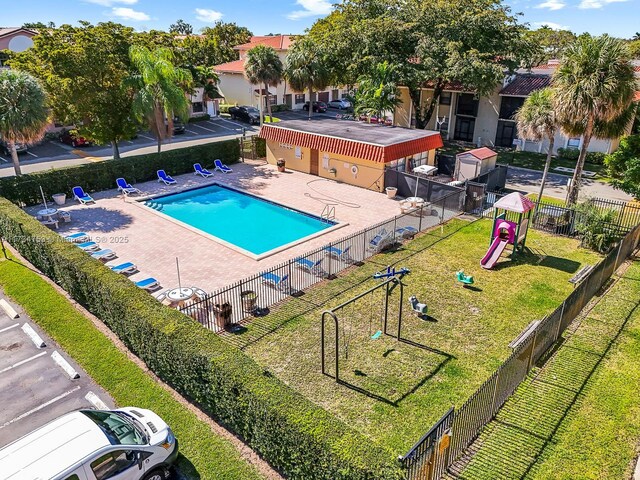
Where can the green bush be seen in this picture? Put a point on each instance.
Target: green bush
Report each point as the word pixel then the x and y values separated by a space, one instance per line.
pixel 595 158
pixel 224 107
pixel 569 153
pixel 298 438
pixel 200 118
pixel 94 177
pixel 281 107
pixel 596 227
pixel 261 147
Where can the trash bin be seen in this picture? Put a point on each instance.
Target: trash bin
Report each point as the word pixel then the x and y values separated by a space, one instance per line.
pixel 249 299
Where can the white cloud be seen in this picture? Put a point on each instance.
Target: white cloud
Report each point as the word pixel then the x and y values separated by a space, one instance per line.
pixel 552 25
pixel 129 14
pixel 588 4
pixel 206 15
pixel 552 5
pixel 111 3
pixel 312 8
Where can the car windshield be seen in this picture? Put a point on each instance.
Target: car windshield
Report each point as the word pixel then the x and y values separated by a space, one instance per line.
pixel 252 110
pixel 119 429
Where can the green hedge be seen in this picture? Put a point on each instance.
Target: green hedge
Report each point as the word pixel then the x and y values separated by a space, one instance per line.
pixel 200 118
pixel 298 438
pixel 569 153
pixel 98 176
pixel 261 147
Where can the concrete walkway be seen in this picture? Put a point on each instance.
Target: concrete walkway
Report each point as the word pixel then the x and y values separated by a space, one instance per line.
pixel 527 180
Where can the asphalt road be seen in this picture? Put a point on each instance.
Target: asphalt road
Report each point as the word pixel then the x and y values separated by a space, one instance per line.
pixel 34 389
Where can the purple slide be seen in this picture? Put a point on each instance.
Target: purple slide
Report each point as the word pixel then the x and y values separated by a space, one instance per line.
pixel 494 252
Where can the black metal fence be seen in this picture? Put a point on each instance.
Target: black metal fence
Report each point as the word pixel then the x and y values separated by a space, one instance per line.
pixel 467 422
pixel 253 296
pixel 495 179
pixel 411 185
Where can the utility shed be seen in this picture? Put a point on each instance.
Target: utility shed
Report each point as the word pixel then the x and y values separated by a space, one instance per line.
pixel 474 162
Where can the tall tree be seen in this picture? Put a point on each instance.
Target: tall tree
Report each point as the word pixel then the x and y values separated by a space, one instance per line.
pixel 624 166
pixel 377 92
pixel 551 43
pixel 307 68
pixel 537 119
pixel 181 28
pixel 83 69
pixel 593 92
pixel 23 114
pixel 263 67
pixel 223 37
pixel 160 90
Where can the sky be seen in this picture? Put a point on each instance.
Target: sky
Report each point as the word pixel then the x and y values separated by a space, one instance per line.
pixel 616 17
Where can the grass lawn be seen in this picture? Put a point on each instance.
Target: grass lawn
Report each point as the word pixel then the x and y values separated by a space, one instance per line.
pixel 548 200
pixel 203 453
pixel 398 390
pixel 578 416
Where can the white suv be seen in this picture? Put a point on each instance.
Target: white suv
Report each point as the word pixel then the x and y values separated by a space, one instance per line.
pixel 124 444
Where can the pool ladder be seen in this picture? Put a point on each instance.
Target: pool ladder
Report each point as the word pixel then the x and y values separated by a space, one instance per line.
pixel 154 205
pixel 329 213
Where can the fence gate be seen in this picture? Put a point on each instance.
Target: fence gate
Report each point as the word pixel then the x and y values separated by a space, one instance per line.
pixel 474 201
pixel 429 458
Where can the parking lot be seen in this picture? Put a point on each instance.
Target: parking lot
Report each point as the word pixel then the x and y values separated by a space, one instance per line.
pixel 34 387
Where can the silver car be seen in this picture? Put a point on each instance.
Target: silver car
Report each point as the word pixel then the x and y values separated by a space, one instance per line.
pixel 339 104
pixel 4 148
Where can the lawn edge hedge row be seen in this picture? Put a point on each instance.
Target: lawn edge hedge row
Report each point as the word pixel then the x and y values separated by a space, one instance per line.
pixel 98 176
pixel 298 438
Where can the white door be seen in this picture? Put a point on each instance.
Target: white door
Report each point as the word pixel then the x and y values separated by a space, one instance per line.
pixel 116 465
pixel 211 110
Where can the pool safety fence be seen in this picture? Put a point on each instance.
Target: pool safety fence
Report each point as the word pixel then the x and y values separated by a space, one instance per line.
pixel 250 297
pixel 448 440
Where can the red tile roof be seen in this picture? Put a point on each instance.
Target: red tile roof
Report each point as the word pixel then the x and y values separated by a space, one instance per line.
pixel 237 66
pixel 481 153
pixel 352 148
pixel 524 85
pixel 279 42
pixel 636 97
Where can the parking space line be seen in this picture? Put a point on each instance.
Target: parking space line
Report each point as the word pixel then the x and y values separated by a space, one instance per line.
pixel 148 138
pixel 40 407
pixel 205 128
pixel 227 128
pixel 4 160
pixel 22 362
pixel 32 154
pixel 191 131
pixel 9 328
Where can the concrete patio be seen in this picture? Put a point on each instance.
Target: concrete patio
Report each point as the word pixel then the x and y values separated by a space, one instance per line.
pixel 153 242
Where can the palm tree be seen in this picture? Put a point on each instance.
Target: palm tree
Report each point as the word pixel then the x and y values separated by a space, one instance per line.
pixel 160 90
pixel 593 93
pixel 23 113
pixel 263 66
pixel 307 68
pixel 537 119
pixel 377 92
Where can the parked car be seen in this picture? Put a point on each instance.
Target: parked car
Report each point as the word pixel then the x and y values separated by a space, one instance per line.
pixel 178 126
pixel 128 443
pixel 20 147
pixel 339 104
pixel 317 107
pixel 71 137
pixel 245 113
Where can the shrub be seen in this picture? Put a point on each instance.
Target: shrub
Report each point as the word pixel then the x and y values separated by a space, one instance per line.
pixel 261 146
pixel 224 107
pixel 297 437
pixel 595 226
pixel 200 118
pixel 595 158
pixel 569 153
pixel 94 177
pixel 281 107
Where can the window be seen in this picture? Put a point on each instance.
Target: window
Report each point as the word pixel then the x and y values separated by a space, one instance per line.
pixel 509 106
pixel 573 143
pixel 197 107
pixel 113 463
pixel 464 129
pixel 299 98
pixel 273 99
pixel 505 133
pixel 335 95
pixel 467 104
pixel 445 98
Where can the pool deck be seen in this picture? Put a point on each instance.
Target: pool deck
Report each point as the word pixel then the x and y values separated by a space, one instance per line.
pixel 153 242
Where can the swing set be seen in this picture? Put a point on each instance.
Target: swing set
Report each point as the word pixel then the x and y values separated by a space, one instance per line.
pixel 344 316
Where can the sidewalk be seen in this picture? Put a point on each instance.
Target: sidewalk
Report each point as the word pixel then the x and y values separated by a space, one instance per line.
pixel 578 415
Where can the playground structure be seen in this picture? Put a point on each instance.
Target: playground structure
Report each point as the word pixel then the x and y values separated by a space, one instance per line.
pixel 391 272
pixel 510 227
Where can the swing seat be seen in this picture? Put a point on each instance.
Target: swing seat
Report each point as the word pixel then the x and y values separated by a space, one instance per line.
pixel 419 308
pixel 376 335
pixel 465 279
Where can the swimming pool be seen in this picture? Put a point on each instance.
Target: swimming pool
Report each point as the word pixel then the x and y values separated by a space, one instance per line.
pixel 239 219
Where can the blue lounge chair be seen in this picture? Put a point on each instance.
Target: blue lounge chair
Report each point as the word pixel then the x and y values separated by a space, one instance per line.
pixel 406 232
pixel 78 237
pixel 310 266
pixel 380 241
pixel 338 253
pixel 221 166
pixel 163 177
pixel 104 255
pixel 148 283
pixel 203 172
pixel 81 196
pixel 89 246
pixel 126 188
pixel 125 268
pixel 276 281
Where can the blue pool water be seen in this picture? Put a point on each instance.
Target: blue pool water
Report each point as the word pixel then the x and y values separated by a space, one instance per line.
pixel 243 220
